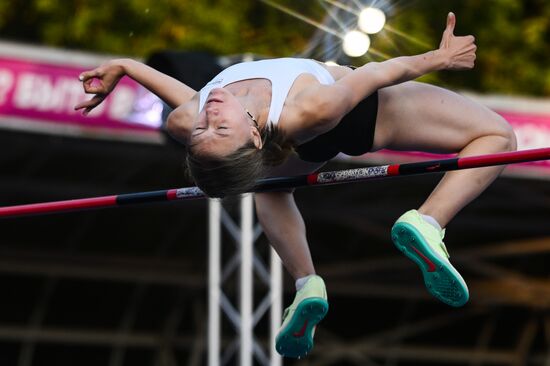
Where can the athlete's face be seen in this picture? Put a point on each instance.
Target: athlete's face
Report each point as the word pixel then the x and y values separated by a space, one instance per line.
pixel 222 126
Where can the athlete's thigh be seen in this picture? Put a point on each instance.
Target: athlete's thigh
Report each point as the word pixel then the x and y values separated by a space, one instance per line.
pixel 418 116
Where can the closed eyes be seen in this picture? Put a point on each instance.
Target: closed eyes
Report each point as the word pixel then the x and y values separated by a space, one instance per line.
pixel 219 128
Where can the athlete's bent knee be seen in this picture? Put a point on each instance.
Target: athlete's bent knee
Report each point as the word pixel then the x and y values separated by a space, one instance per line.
pixel 507 134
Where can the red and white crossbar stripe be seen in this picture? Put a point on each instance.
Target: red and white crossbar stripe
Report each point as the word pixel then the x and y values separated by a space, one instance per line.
pixel 271 184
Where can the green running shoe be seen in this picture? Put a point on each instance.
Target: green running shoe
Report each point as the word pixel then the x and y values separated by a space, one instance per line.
pixel 423 244
pixel 295 338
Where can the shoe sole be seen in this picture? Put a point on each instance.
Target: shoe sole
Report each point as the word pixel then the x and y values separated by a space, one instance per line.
pixel 296 340
pixel 441 279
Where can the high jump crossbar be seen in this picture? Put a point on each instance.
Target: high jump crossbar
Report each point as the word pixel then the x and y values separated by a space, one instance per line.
pixel 279 183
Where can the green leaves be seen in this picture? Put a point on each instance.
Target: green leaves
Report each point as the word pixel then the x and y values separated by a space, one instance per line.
pixel 513 36
pixel 139 27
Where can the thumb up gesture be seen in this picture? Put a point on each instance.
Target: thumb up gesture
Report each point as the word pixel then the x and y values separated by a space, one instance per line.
pixel 459 52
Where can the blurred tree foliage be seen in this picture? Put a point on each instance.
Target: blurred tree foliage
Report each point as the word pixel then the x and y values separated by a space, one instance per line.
pixel 513 39
pixel 139 27
pixel 513 36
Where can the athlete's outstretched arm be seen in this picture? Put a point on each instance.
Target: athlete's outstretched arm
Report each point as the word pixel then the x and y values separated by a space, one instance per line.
pixel 454 53
pixel 103 79
pixel 325 105
pixel 286 231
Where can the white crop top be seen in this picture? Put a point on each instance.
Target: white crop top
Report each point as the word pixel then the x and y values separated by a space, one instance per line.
pixel 282 72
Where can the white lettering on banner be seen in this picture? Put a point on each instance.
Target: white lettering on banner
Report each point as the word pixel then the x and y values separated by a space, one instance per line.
pixel 24 92
pixel 42 93
pixel 122 102
pixel 531 136
pixel 6 83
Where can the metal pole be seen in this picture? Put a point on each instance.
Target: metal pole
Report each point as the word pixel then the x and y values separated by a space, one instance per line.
pixel 276 287
pixel 214 289
pixel 246 290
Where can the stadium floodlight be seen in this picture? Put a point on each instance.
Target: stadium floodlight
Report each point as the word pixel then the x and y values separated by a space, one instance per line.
pixel 356 43
pixel 371 20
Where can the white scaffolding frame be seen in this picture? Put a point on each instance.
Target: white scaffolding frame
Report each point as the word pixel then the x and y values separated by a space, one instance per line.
pixel 249 263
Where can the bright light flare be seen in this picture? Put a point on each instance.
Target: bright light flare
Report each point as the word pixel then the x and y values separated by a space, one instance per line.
pixel 356 43
pixel 371 20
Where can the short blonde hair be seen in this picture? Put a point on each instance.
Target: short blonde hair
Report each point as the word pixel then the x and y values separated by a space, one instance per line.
pixel 238 172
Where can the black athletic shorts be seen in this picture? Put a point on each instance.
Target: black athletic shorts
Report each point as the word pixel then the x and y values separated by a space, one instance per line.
pixel 354 135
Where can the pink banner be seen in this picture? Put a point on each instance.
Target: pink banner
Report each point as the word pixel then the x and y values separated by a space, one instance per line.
pixel 31 91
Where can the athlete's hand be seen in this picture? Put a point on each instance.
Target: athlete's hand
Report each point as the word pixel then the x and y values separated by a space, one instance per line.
pixel 459 52
pixel 100 81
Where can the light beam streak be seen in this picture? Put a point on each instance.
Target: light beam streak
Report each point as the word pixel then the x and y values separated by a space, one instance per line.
pixel 302 17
